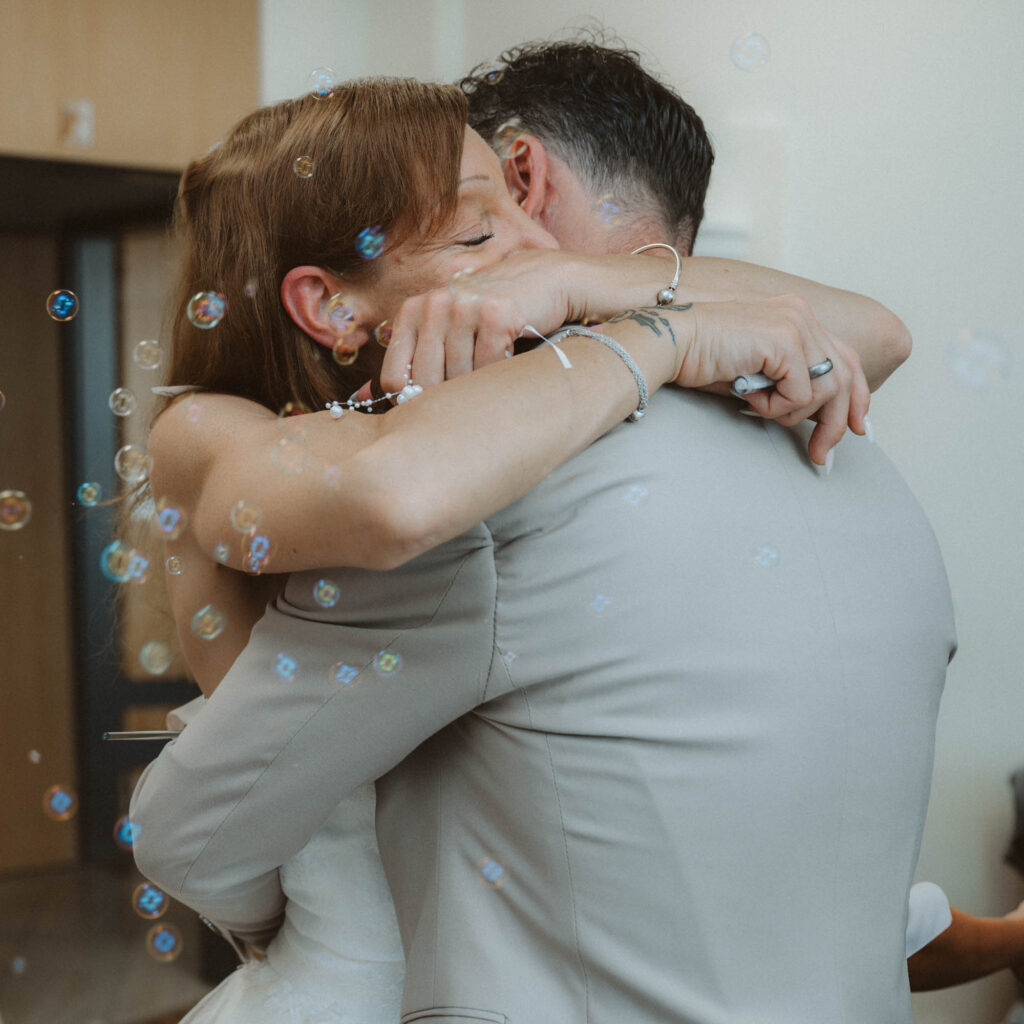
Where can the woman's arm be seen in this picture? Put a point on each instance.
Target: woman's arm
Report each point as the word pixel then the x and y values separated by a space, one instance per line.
pixel 375 491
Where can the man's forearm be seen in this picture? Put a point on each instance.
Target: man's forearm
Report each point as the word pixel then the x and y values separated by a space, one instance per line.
pixel 880 338
pixel 971 948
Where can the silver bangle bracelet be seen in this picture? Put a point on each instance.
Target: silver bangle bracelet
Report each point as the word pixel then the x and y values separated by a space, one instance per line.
pixel 667 295
pixel 641 384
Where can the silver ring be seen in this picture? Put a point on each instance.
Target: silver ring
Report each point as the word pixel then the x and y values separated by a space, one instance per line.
pixel 819 369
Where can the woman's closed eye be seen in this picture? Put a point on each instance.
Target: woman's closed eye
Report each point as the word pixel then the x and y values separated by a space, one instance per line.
pixel 478 240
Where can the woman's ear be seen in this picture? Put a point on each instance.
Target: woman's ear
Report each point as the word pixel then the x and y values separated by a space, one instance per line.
pixel 324 307
pixel 526 175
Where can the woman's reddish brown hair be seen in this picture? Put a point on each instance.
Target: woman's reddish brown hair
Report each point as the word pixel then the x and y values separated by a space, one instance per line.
pixel 385 152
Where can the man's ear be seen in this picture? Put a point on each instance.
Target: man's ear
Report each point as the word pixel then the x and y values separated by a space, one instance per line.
pixel 526 176
pixel 306 293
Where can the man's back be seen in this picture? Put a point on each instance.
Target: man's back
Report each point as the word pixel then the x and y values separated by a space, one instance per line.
pixel 700 798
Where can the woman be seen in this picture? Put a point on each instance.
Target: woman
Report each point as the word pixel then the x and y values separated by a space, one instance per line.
pixel 285 219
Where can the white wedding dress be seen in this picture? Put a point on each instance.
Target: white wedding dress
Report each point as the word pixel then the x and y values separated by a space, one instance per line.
pixel 337 958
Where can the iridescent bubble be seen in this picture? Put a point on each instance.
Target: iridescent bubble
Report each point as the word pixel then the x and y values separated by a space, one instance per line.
pixel 636 495
pixel 507 141
pixel 387 663
pixel 382 333
pixel 766 556
pixel 332 476
pixel 600 604
pixel 164 942
pixel 464 285
pixel 148 354
pixel 291 419
pixel 246 516
pixel 193 410
pixel 326 593
pixel 341 317
pixel 19 965
pixel 751 52
pixel 979 359
pixel 222 552
pixel 343 674
pixel 125 833
pixel 250 288
pixel 89 494
pixel 256 553
pixel 494 74
pixel 208 623
pixel 285 666
pixel 62 305
pixel 60 803
pixel 121 402
pixel 115 560
pixel 492 872
pixel 3 400
pixel 370 242
pixel 509 656
pixel 322 82
pixel 174 565
pixel 138 567
pixel 15 510
pixel 290 455
pixel 34 756
pixel 155 657
pixel 303 167
pixel 149 901
pixel 132 464
pixel 609 209
pixel 207 309
pixel 170 521
pixel 345 353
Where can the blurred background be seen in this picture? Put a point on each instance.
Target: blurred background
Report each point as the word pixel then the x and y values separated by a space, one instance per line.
pixel 871 146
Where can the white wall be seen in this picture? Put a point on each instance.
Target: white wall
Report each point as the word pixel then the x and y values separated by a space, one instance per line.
pixel 881 150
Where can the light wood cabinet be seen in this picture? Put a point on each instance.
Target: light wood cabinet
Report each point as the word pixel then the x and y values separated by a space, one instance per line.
pixel 136 83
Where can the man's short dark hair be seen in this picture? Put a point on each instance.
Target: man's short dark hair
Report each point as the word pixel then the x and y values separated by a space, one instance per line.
pixel 616 126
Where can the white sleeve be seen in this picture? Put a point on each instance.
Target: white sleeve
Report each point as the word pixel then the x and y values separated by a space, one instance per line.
pixel 928 915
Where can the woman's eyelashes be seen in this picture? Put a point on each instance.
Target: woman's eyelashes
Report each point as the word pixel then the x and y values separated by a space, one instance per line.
pixel 478 240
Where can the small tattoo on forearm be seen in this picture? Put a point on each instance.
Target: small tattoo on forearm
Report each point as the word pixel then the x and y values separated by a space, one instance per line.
pixel 652 319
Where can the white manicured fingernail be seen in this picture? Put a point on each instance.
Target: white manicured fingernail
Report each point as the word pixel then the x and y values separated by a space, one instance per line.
pixel 869 430
pixel 827 468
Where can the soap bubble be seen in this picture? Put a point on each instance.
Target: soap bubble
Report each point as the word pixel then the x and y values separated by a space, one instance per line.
pixel 345 353
pixel 464 285
pixel 609 209
pixel 164 942
pixel 979 359
pixel 250 288
pixel 155 657
pixel 3 400
pixel 60 803
pixel 208 623
pixel 636 495
pixel 193 410
pixel 132 464
pixel 256 552
pixel 751 52
pixel 766 556
pixel 341 317
pixel 246 516
pixel 285 666
pixel 332 477
pixel 291 418
pixel 370 242
pixel 19 964
pixel 34 756
pixel 116 560
pixel 290 455
pixel 125 833
pixel 207 309
pixel 174 565
pixel 387 663
pixel 303 167
pixel 221 553
pixel 494 74
pixel 89 494
pixel 121 402
pixel 600 604
pixel 15 510
pixel 507 140
pixel 148 355
pixel 149 901
pixel 343 674
pixel 169 520
pixel 62 305
pixel 492 872
pixel 326 593
pixel 382 333
pixel 322 82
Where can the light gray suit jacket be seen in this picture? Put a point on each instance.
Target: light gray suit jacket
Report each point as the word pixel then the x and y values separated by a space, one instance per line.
pixel 659 739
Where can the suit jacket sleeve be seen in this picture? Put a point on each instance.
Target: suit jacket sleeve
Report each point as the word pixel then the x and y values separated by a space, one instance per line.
pixel 311 710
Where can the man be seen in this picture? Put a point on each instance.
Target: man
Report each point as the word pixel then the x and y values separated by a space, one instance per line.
pixel 701 690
